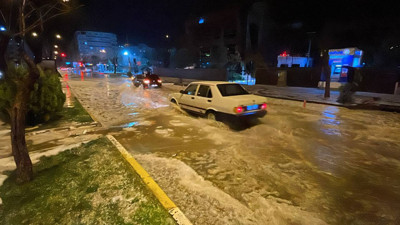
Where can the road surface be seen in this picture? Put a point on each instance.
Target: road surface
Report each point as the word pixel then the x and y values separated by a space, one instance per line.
pixel 314 165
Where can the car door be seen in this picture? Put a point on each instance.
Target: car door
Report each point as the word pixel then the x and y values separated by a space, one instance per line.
pixel 187 100
pixel 204 98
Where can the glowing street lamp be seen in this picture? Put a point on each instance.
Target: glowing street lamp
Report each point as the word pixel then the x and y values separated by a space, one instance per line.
pixel 56 52
pixel 58 36
pixel 63 54
pixel 3 28
pixel 34 34
pixel 166 36
pixel 55 46
pixel 126 53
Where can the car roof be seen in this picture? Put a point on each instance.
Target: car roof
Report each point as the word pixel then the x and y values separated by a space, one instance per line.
pixel 211 82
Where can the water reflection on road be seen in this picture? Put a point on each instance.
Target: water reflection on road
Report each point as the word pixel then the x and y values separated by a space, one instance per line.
pixel 329 121
pixel 296 166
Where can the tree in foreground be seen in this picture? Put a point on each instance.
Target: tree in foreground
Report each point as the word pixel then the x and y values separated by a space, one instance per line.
pixel 20 18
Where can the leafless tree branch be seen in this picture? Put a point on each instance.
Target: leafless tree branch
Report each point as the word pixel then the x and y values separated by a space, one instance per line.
pixel 2 15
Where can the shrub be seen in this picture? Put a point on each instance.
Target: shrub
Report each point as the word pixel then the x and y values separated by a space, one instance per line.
pixel 8 89
pixel 45 100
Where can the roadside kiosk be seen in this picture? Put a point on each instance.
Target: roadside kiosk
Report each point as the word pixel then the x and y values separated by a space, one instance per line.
pixel 341 61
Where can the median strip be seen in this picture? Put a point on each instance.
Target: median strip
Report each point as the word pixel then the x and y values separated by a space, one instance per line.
pixel 165 201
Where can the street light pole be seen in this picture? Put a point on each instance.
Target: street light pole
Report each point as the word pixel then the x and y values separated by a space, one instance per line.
pixel 310 36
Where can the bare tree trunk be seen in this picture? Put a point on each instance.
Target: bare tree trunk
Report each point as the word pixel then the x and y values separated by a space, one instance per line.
pixel 19 149
pixel 327 71
pixel 327 84
pixel 18 118
pixel 4 39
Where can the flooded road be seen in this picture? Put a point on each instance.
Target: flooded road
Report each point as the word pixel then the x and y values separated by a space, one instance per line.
pixel 315 165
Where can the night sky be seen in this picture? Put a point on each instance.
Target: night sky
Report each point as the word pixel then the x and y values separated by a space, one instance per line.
pixel 148 21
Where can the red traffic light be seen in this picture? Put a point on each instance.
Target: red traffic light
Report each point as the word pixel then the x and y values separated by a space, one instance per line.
pixel 63 55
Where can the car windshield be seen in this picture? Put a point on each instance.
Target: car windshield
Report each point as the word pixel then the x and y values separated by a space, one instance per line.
pixel 154 77
pixel 139 76
pixel 231 89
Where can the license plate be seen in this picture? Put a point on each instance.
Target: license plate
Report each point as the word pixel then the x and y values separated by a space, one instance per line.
pixel 252 107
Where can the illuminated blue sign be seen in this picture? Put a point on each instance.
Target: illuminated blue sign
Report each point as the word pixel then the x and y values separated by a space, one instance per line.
pixel 336 53
pixel 201 20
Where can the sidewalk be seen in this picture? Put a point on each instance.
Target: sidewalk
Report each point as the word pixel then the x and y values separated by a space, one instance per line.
pixel 362 100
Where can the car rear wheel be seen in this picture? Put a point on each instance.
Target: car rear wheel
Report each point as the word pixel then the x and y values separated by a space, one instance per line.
pixel 137 85
pixel 212 116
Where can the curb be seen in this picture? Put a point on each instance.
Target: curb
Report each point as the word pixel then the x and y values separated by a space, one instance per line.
pixel 381 107
pixel 165 201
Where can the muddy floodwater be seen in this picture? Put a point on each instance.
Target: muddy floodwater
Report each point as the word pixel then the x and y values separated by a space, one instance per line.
pixel 315 165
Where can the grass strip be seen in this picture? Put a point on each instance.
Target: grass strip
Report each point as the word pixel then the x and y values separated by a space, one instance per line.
pixel 90 184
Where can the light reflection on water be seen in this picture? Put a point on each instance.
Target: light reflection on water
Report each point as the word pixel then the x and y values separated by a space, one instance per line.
pixel 68 98
pixel 330 123
pixel 131 124
pixel 107 86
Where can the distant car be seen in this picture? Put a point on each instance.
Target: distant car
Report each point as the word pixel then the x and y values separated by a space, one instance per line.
pixel 216 99
pixel 147 81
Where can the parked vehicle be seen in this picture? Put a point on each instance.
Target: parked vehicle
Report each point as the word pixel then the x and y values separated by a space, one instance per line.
pixel 215 99
pixel 147 81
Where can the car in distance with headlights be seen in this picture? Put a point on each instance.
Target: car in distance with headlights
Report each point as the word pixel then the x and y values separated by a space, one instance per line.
pixel 218 99
pixel 147 80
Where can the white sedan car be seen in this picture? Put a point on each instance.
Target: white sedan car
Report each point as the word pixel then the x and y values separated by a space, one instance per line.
pixel 216 99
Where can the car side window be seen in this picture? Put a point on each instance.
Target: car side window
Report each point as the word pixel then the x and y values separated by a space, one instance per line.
pixel 209 93
pixel 204 91
pixel 191 90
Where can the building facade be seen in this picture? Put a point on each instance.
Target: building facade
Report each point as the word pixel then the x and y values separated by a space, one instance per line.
pixel 227 35
pixel 95 47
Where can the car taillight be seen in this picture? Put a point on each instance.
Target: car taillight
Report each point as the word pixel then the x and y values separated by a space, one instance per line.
pixel 238 109
pixel 159 80
pixel 264 106
pixel 146 81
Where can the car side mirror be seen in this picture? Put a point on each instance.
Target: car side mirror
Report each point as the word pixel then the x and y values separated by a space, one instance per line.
pixel 182 91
